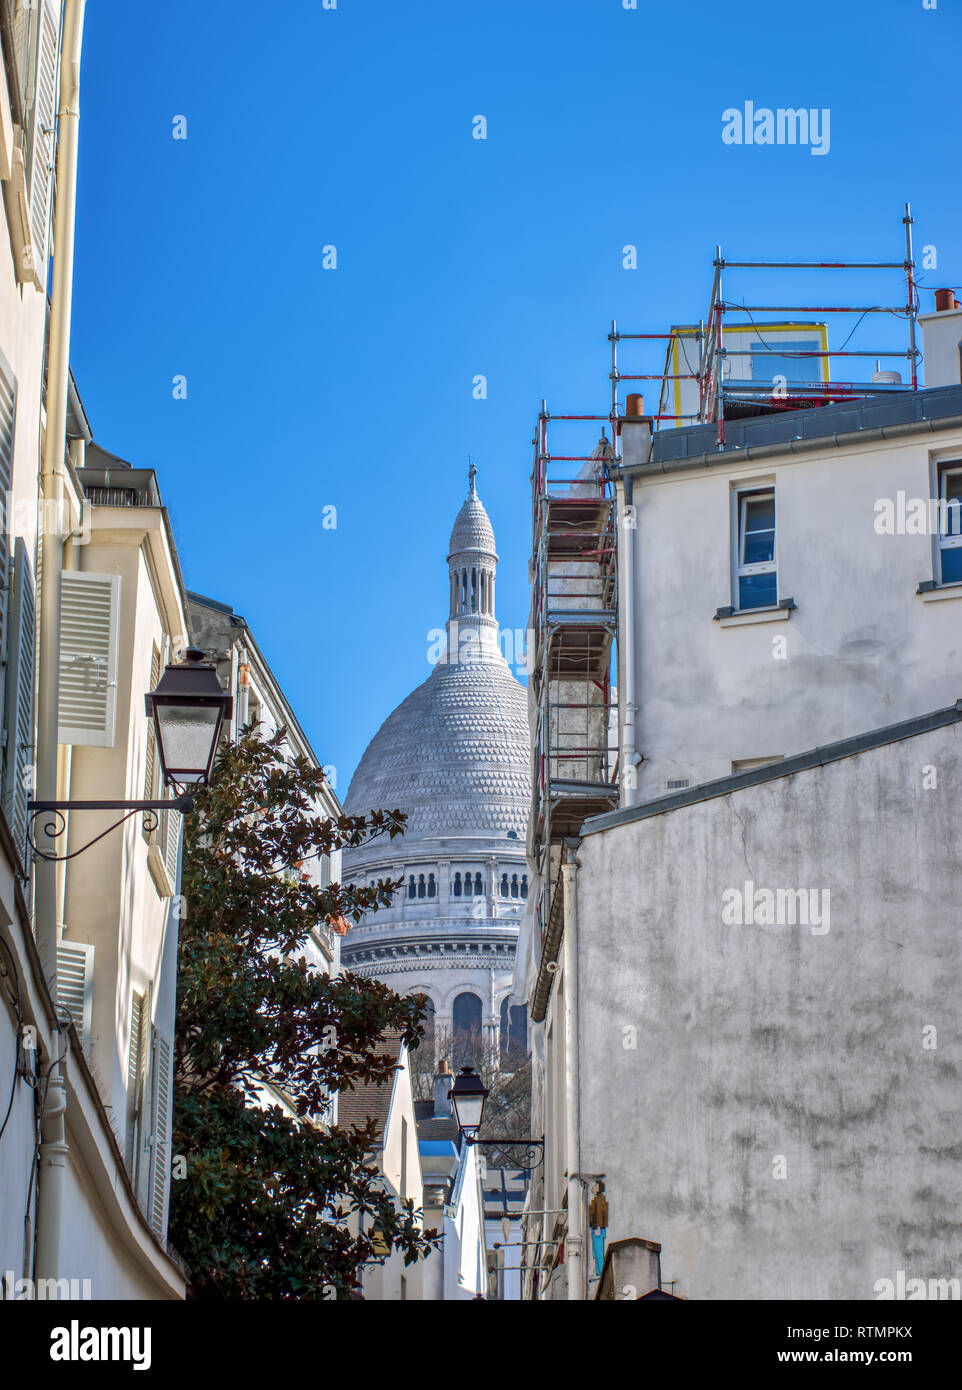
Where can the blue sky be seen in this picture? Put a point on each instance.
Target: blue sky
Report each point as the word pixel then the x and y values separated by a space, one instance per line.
pixel 310 388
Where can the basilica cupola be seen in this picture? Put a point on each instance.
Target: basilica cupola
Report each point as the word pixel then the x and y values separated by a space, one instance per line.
pixel 472 566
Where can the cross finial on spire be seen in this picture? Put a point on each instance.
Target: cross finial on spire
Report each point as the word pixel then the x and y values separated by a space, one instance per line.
pixel 472 474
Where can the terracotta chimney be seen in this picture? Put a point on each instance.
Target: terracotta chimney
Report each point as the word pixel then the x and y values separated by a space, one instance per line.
pixel 635 403
pixel 944 299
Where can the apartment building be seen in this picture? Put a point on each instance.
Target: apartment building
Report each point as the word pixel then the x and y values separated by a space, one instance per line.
pixel 738 959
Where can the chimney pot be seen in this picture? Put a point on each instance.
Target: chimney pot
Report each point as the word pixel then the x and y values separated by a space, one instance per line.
pixel 635 403
pixel 945 299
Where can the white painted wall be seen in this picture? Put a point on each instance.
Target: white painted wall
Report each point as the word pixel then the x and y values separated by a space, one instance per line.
pixel 710 1052
pixel 862 649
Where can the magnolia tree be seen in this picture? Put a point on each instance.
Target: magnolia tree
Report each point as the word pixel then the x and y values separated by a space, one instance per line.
pixel 268 1200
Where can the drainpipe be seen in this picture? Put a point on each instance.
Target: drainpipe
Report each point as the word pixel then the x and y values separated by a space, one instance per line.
pixel 575 1239
pixel 626 643
pixel 243 689
pixel 53 1147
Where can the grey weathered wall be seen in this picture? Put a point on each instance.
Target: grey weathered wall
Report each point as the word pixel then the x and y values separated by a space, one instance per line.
pixel 755 1042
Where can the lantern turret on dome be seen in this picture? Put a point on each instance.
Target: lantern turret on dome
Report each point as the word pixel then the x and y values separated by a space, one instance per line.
pixel 472 567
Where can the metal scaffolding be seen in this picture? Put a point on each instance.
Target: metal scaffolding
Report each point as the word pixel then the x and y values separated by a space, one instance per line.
pixel 574 622
pixel 721 396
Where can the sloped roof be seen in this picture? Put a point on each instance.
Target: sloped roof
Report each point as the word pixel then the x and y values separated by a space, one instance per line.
pixel 368 1101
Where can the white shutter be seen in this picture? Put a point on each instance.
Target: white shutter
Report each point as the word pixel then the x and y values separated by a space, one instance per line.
pixel 173 821
pixel 161 1094
pixel 8 416
pixel 42 121
pixel 18 711
pixel 139 1023
pixel 75 981
pixel 89 617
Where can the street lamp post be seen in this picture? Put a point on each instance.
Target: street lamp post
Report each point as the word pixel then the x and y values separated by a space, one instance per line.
pixel 468 1096
pixel 188 710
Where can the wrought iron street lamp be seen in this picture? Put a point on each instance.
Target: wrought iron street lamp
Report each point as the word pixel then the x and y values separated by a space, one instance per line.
pixel 468 1095
pixel 188 710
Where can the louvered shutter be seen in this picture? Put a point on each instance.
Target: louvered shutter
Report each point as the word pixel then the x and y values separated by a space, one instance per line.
pixel 139 1023
pixel 21 45
pixel 18 712
pixel 89 616
pixel 75 979
pixel 45 77
pixel 161 1094
pixel 8 416
pixel 173 820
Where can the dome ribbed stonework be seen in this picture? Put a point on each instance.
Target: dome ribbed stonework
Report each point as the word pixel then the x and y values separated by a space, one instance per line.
pixel 453 756
pixel 472 529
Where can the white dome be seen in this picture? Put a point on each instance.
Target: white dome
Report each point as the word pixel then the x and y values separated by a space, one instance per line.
pixel 453 755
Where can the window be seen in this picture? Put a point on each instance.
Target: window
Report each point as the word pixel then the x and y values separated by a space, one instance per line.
pixel 756 574
pixel 504 885
pixel 478 886
pixel 524 886
pixel 468 886
pixel 514 885
pixel 950 524
pixel 432 887
pixel 412 887
pixel 457 885
pixel 421 886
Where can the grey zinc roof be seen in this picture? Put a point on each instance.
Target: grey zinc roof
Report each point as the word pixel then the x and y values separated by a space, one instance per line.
pixel 817 422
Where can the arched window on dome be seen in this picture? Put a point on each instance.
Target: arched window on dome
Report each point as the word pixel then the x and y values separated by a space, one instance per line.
pixel 478 886
pixel 421 886
pixel 514 885
pixel 468 885
pixel 412 887
pixel 524 886
pixel 504 886
pixel 474 591
pixel 514 1034
pixel 427 1003
pixel 432 887
pixel 457 886
pixel 467 1040
pixel 464 591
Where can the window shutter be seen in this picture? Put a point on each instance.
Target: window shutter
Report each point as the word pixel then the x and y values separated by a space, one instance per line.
pixel 75 979
pixel 42 133
pixel 89 615
pixel 18 713
pixel 161 1093
pixel 172 826
pixel 139 1022
pixel 8 415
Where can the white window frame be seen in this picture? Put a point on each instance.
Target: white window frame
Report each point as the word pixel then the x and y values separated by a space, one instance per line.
pixel 947 541
pixel 740 498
